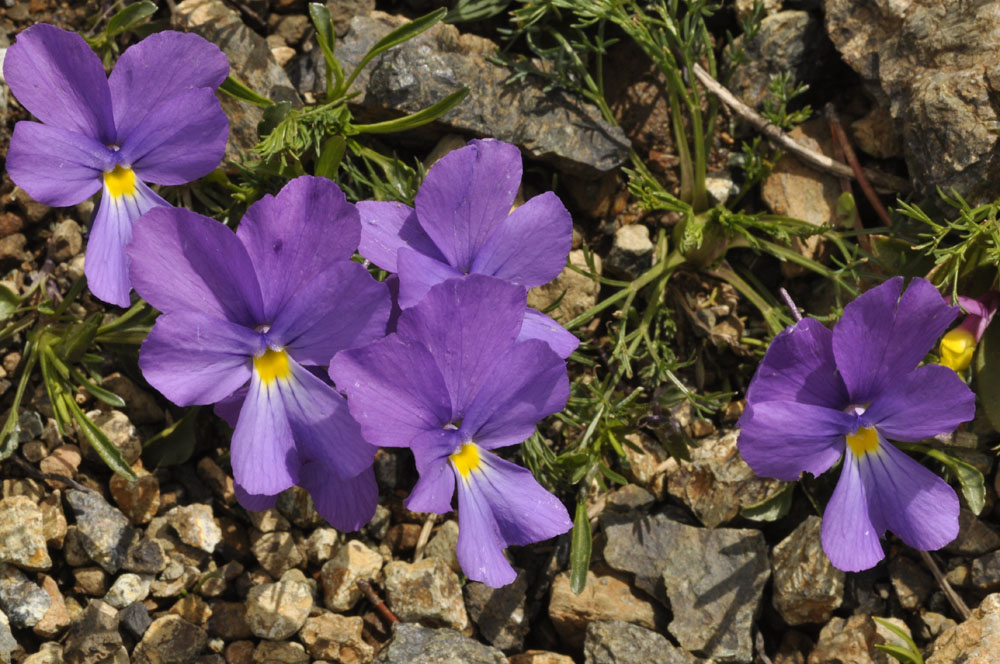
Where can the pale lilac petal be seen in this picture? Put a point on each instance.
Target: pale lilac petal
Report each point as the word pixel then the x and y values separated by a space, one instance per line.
pixel 436 485
pixel 883 335
pixel 465 197
pixel 297 234
pixel 387 227
pixel 921 404
pixel 182 261
pixel 418 274
pixel 254 502
pixel 904 497
pixel 323 428
pixel 537 325
pixel 263 453
pixel 346 504
pixel 525 385
pixel 480 544
pixel 394 390
pixel 340 308
pixel 850 539
pixel 467 325
pixel 56 166
pixel 182 139
pixel 530 247
pixel 799 366
pixel 524 511
pixel 781 439
pixel 107 263
pixel 194 359
pixel 60 80
pixel 161 66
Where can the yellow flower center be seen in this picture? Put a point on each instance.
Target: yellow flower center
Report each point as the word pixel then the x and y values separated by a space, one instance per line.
pixel 120 181
pixel 273 364
pixel 864 441
pixel 466 459
pixel 957 348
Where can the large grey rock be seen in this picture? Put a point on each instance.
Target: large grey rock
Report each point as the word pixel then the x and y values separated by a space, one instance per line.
pixel 22 534
pixel 807 587
pixel 426 591
pixel 413 644
pixel 250 61
pixel 550 126
pixel 973 641
pixel 278 610
pixel 617 642
pixel 104 532
pixel 21 599
pixel 917 58
pixel 713 578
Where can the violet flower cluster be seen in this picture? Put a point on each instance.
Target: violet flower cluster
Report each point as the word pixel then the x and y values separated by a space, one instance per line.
pixel 820 396
pixel 155 119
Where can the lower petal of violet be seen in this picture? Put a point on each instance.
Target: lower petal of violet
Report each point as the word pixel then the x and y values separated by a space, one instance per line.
pixel 346 504
pixel 323 428
pixel 480 544
pixel 849 536
pixel 436 486
pixel 915 504
pixel 252 501
pixel 106 263
pixel 264 457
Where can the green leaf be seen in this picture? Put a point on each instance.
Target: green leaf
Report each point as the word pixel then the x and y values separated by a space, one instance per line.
pixel 8 303
pixel 105 395
pixel 414 120
pixel 771 508
pixel 175 444
pixel 97 440
pixel 475 10
pixel 401 34
pixel 330 156
pixel 241 91
pixel 909 654
pixel 970 480
pixel 130 16
pixel 273 115
pixel 327 38
pixel 987 374
pixel 579 552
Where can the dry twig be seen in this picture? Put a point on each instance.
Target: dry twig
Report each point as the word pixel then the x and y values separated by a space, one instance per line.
pixel 956 602
pixel 377 602
pixel 840 137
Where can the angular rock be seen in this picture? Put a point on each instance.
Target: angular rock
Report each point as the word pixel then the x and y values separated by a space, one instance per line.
pixel 90 581
pixel 575 292
pixel 217 480
pixel 48 653
pixel 618 642
pixel 540 657
pixel 160 530
pixel 336 638
pixel 145 556
pixel 250 62
pixel 277 610
pixel 974 536
pixel 413 644
pixel 94 635
pixel 913 56
pixel 277 552
pixel 119 430
pixel 54 524
pixel 196 526
pixel 499 613
pixel 807 587
pixel 427 592
pixel 104 532
pixel 135 619
pixel 66 242
pixel 321 544
pixel 851 640
pixel 170 640
pixel 717 482
pixel 297 506
pixel 140 405
pixel 56 619
pixel 138 500
pixel 443 545
pixel 274 652
pixel 229 621
pixel 64 460
pixel 551 126
pixel 193 609
pixel 22 534
pixel 7 642
pixel 23 601
pixel 340 574
pixel 986 572
pixel 911 583
pixel 126 589
pixel 973 641
pixel 604 597
pixel 632 251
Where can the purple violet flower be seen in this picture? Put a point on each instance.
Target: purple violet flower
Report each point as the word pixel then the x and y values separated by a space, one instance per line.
pixel 958 345
pixel 820 395
pixel 462 223
pixel 262 305
pixel 155 119
pixel 453 383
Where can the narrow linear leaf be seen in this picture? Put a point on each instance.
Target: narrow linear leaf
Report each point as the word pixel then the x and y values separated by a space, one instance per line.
pixel 414 120
pixel 105 395
pixel 97 440
pixel 130 16
pixel 909 654
pixel 397 37
pixel 241 91
pixel 579 553
pixel 327 38
pixel 330 156
pixel 970 480
pixel 475 10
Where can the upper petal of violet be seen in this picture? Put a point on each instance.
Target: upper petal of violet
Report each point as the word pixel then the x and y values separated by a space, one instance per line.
pixel 388 226
pixel 60 80
pixel 182 261
pixel 161 66
pixel 418 273
pixel 884 335
pixel 297 234
pixel 56 166
pixel 465 197
pixel 537 325
pixel 926 402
